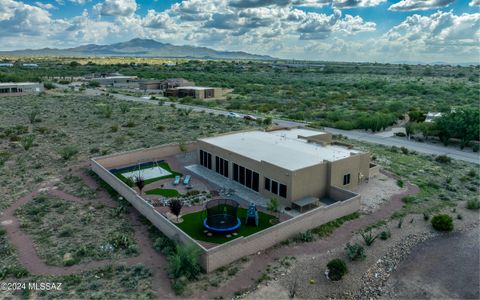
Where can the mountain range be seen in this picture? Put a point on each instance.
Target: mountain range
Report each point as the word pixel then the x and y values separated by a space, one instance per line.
pixel 139 48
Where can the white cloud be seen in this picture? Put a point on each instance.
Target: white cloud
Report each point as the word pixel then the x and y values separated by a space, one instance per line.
pixel 17 18
pixel 356 3
pixel 474 3
pixel 46 6
pixel 116 7
pixel 412 5
pixel 78 2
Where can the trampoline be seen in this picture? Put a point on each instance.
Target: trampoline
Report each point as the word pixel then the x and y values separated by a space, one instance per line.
pixel 221 215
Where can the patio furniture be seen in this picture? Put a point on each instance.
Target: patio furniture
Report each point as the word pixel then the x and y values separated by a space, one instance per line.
pixel 252 214
pixel 186 180
pixel 177 180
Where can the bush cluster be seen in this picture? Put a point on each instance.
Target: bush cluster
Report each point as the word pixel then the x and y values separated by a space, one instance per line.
pixel 337 268
pixel 442 222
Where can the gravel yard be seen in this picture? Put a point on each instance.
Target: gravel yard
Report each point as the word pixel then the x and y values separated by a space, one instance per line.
pixel 377 191
pixel 368 278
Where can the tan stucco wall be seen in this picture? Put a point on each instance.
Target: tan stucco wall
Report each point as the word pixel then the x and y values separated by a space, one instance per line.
pixel 310 181
pixel 353 165
pixel 323 138
pixel 264 169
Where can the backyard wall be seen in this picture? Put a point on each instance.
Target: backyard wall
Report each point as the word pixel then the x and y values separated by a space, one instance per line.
pixel 229 252
pixel 147 210
pixel 123 159
pixel 224 254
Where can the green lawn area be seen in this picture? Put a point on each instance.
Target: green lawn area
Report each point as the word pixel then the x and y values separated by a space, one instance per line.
pixel 193 225
pixel 163 165
pixel 163 192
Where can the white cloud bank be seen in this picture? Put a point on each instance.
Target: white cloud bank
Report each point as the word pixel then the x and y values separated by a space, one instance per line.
pixel 280 29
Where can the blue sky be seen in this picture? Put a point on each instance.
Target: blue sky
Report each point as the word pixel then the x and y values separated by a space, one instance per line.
pixel 346 30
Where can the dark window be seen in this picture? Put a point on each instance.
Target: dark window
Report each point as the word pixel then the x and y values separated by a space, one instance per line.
pixel 201 157
pixel 217 164
pixel 283 191
pixel 267 184
pixel 209 161
pixel 242 175
pixel 255 181
pixel 248 181
pixel 346 179
pixel 225 168
pixel 235 172
pixel 274 187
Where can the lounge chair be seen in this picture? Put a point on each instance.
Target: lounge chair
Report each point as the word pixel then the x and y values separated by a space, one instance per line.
pixel 186 180
pixel 177 180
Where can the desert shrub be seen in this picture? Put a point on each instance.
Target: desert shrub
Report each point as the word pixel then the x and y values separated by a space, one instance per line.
pixel 443 159
pixel 114 128
pixel 472 173
pixel 426 216
pixel 355 251
pixel 124 107
pixel 385 235
pixel 164 245
pixel 93 84
pixel 336 269
pixel 48 86
pixel 368 237
pixel 66 231
pixel 184 263
pixel 473 204
pixel 404 150
pixel 475 147
pixel 400 183
pixel 120 240
pixel 442 222
pixel 304 237
pixel 27 141
pixel 68 152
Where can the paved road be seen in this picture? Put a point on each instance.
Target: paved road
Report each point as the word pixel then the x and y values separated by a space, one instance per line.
pixel 426 148
pixel 381 139
pixel 279 122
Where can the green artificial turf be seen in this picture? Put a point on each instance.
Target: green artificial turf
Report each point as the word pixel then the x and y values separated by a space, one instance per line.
pixel 193 226
pixel 162 165
pixel 163 192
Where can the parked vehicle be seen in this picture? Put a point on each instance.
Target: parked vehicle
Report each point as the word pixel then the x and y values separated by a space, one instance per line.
pixel 250 117
pixel 233 115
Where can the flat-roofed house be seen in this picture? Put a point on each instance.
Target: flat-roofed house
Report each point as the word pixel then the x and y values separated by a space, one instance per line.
pixel 291 165
pixel 118 81
pixel 164 84
pixel 20 88
pixel 196 92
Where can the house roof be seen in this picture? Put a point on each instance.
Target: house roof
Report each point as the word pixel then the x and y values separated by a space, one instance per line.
pixel 282 148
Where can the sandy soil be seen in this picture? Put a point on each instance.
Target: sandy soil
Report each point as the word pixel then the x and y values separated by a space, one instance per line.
pixel 312 283
pixel 377 191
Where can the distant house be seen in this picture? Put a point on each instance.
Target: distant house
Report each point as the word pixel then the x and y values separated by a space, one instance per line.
pixel 20 88
pixel 30 65
pixel 7 65
pixel 118 81
pixel 431 116
pixel 164 84
pixel 196 92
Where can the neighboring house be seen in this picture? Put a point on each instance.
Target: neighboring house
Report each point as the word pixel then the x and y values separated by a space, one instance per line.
pixel 164 84
pixel 118 81
pixel 9 65
pixel 432 116
pixel 196 92
pixel 30 65
pixel 20 88
pixel 295 166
